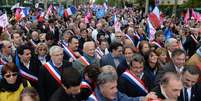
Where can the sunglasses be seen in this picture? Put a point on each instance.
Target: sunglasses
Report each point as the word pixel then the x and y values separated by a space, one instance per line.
pixel 10 74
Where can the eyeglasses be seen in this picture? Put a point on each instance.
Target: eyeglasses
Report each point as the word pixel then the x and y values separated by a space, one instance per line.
pixel 10 74
pixel 42 49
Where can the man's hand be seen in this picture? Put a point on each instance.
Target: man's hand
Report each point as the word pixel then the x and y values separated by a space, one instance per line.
pixel 150 96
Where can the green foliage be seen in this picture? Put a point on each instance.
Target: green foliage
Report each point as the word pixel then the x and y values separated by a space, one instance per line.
pixel 192 4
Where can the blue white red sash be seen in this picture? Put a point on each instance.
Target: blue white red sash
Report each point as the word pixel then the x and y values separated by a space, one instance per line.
pixel 85 84
pixel 84 61
pixel 69 52
pixel 99 53
pixel 155 43
pixel 194 39
pixel 135 80
pixel 3 62
pixel 93 97
pixel 26 74
pixel 33 43
pixel 53 71
pixel 130 39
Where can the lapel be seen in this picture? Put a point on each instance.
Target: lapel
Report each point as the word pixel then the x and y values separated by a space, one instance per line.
pixel 111 59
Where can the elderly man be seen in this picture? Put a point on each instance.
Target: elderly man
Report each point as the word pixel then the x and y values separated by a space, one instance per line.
pixel 106 90
pixel 5 52
pixel 88 55
pixel 50 73
pixel 192 89
pixel 171 44
pixel 169 87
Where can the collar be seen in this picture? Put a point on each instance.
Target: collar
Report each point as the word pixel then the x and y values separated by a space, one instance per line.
pixel 179 70
pixel 56 65
pixel 27 66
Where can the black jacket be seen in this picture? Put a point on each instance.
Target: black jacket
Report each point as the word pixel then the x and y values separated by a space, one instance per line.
pixel 47 84
pixel 61 95
pixel 125 86
pixel 195 93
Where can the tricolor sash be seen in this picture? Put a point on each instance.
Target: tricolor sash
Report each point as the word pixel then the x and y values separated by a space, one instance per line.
pixel 194 39
pixel 133 79
pixel 130 39
pixel 155 43
pixel 99 53
pixel 93 97
pixel 85 84
pixel 53 71
pixel 69 52
pixel 33 43
pixel 23 71
pixel 3 62
pixel 84 61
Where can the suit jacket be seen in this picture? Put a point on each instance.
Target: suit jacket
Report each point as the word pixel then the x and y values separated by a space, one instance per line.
pixel 34 68
pixel 195 93
pixel 157 91
pixel 122 67
pixel 47 84
pixel 109 60
pixel 190 45
pixel 125 86
pixel 120 97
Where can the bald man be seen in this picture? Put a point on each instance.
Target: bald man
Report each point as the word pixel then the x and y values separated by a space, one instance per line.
pixel 88 56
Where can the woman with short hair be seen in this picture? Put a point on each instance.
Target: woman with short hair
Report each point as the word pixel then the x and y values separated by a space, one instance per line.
pixel 12 83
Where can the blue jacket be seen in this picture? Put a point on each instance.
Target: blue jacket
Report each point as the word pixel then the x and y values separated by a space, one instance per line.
pixel 120 97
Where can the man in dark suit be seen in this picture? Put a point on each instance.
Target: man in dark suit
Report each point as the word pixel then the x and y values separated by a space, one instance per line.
pixel 50 73
pixel 191 90
pixel 176 65
pixel 115 57
pixel 135 81
pixel 170 87
pixel 191 43
pixel 27 64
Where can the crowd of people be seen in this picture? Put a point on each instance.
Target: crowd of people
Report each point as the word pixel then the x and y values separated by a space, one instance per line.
pixel 86 57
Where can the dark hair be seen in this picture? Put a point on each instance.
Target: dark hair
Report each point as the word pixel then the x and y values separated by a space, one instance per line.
pixel 114 46
pixel 71 38
pixel 70 77
pixel 10 66
pixel 92 71
pixel 142 44
pixel 192 69
pixel 20 49
pixel 177 52
pixel 31 92
pixel 16 32
pixel 138 58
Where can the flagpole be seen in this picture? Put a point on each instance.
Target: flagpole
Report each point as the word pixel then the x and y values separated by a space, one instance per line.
pixel 146 7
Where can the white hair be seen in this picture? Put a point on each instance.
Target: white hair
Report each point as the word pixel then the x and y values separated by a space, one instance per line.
pixel 55 49
pixel 169 41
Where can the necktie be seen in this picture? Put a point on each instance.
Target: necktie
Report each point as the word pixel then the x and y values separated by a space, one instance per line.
pixel 185 95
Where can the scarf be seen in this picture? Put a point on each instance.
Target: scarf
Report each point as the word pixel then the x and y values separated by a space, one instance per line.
pixel 4 86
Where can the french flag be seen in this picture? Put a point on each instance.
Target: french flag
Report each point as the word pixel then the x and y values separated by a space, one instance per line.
pixel 151 30
pixel 154 17
pixel 70 11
